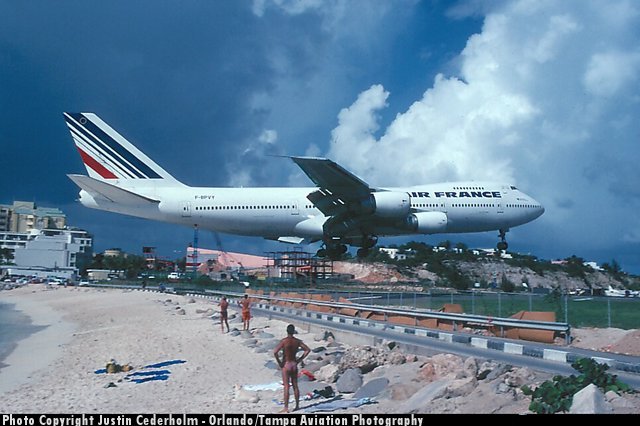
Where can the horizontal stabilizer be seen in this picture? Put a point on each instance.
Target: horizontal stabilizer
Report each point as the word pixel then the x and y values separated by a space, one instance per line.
pixel 100 189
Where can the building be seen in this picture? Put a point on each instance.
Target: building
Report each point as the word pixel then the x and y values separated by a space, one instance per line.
pixel 5 218
pixel 50 252
pixel 113 252
pixel 23 216
pixel 397 254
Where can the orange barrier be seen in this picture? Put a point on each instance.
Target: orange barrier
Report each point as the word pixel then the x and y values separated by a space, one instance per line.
pixel 306 301
pixel 543 336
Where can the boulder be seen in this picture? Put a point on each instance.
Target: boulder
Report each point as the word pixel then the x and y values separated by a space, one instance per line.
pixel 422 398
pixel 439 366
pixel 316 365
pixel 491 370
pixel 396 358
pixel 180 311
pixel 470 367
pixel 403 391
pixel 191 300
pixel 270 344
pixel 350 381
pixel 461 387
pixel 328 373
pixel 590 400
pixel 365 358
pixel 372 388
pixel 519 377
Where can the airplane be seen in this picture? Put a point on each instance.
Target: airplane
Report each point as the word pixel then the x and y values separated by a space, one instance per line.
pixel 342 210
pixel 613 292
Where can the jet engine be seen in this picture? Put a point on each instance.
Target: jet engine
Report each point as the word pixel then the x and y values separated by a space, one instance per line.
pixel 387 204
pixel 427 222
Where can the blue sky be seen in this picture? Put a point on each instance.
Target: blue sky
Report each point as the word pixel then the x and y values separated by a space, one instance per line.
pixel 543 94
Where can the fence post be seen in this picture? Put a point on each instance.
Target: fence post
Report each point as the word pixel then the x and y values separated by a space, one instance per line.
pixel 499 306
pixel 608 312
pixel 566 308
pixel 530 303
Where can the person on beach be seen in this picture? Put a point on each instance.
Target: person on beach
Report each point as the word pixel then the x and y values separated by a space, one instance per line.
pixel 289 364
pixel 223 314
pixel 246 312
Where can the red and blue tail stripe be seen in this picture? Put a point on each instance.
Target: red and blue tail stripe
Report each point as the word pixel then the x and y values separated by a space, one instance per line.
pixel 103 153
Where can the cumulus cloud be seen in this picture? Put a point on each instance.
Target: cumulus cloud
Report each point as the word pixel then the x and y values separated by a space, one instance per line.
pixel 291 7
pixel 526 106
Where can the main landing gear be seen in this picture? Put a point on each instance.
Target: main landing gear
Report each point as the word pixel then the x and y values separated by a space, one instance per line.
pixel 332 251
pixel 503 245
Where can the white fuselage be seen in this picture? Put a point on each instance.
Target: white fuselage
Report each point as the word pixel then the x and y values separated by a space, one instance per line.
pixel 277 212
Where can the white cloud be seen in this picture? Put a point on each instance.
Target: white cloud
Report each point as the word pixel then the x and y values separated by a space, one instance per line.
pixel 609 72
pixel 291 7
pixel 269 136
pixel 526 107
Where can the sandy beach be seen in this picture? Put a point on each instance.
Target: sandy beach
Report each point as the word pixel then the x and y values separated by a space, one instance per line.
pixel 54 369
pixel 203 370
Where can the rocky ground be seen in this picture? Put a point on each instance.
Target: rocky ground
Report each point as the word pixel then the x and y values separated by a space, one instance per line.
pixel 396 382
pixel 378 273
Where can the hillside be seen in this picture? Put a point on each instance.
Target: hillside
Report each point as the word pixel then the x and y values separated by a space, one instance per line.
pixel 461 268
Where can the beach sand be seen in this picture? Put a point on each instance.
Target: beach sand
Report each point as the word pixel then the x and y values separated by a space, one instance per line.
pixel 53 370
pixel 82 329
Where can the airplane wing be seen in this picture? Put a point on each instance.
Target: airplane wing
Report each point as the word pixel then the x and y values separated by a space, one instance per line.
pixel 97 188
pixel 337 187
pixel 341 195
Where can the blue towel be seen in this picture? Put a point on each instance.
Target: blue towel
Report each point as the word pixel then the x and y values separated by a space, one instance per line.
pixel 148 379
pixel 150 373
pixel 165 363
pixel 337 405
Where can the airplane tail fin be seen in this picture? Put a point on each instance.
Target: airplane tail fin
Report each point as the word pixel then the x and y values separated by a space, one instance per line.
pixel 109 157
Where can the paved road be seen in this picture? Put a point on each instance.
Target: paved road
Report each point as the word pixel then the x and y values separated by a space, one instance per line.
pixel 421 345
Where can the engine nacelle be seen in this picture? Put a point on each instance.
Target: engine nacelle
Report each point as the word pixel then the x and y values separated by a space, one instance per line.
pixel 388 204
pixel 427 222
pixel 311 228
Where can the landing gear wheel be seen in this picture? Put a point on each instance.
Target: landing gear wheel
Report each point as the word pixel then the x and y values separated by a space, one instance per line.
pixel 502 245
pixel 362 253
pixel 321 253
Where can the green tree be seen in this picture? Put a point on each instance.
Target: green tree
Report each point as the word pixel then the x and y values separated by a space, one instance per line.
pixel 6 255
pixel 613 267
pixel 506 285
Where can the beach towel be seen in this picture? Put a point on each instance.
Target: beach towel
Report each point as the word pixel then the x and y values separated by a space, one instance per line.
pixel 337 404
pixel 264 387
pixel 165 363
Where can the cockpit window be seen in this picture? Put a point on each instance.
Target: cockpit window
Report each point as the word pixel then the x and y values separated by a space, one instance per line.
pixel 514 188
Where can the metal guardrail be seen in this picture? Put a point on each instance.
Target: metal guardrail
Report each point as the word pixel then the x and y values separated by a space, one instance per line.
pixel 417 313
pixel 422 314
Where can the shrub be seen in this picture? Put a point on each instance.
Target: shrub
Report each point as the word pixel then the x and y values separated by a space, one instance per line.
pixel 556 395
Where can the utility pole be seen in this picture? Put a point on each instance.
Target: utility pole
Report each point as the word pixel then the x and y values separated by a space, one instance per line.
pixel 195 251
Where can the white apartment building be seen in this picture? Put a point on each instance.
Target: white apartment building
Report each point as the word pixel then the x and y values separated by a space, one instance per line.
pixel 48 252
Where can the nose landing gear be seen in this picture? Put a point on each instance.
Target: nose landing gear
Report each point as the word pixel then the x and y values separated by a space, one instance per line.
pixel 503 245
